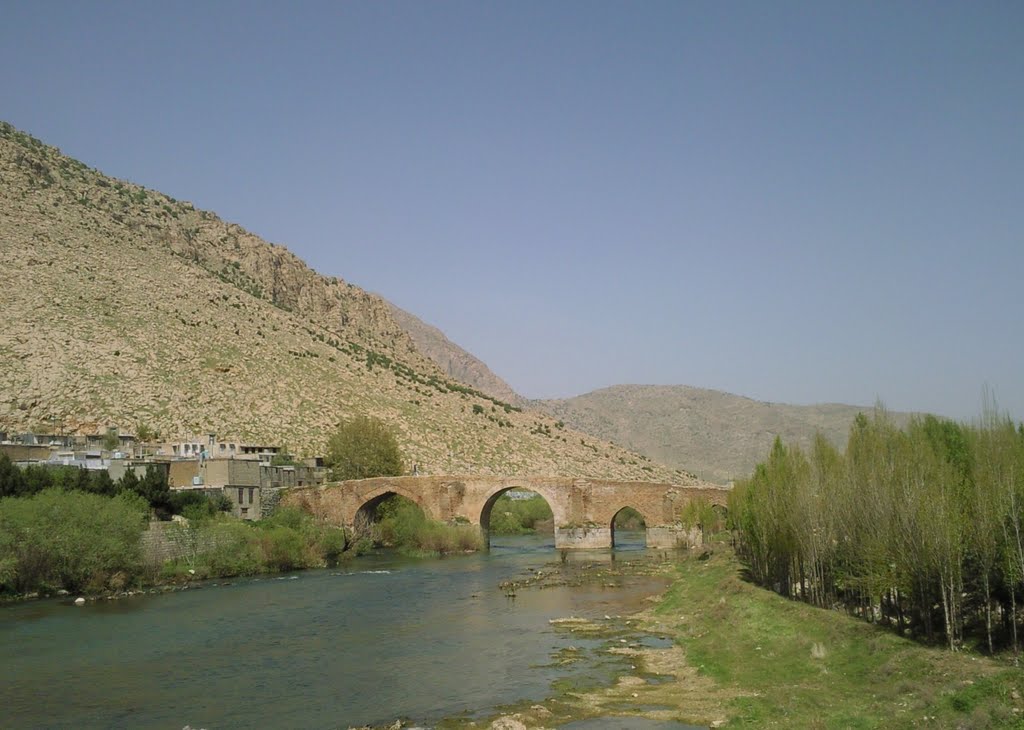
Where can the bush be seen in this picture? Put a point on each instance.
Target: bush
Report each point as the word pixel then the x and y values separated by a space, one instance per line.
pixel 235 549
pixel 70 540
pixel 331 544
pixel 283 549
pixel 401 524
pixel 184 501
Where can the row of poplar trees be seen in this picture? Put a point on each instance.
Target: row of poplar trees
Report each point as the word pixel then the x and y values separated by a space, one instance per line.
pixel 919 528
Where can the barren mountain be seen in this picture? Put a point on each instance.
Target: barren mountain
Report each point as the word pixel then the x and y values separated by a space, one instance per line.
pixel 123 306
pixel 452 359
pixel 719 436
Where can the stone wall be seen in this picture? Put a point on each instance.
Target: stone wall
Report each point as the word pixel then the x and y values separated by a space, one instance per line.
pixel 163 541
pixel 159 543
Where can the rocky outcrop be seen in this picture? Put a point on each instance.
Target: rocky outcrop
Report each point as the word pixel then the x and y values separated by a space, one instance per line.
pixel 456 362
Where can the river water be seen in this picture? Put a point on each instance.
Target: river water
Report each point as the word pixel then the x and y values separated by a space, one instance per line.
pixel 380 638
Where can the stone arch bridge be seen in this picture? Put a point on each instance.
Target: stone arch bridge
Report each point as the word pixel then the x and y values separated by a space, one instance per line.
pixel 584 509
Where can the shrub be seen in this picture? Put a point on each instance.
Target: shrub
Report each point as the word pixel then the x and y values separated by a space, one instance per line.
pixel 235 549
pixel 69 540
pixel 331 544
pixel 401 524
pixel 185 501
pixel 283 549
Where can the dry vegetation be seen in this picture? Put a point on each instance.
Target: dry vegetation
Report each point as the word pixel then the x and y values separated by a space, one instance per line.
pixel 124 306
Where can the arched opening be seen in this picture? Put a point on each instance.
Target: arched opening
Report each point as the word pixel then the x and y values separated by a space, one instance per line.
pixel 520 517
pixel 388 520
pixel 629 530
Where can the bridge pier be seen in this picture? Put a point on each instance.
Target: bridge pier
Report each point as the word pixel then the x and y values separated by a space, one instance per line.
pixel 583 538
pixel 595 537
pixel 673 536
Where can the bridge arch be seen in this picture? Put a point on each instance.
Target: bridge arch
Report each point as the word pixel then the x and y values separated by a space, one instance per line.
pixel 492 498
pixel 369 502
pixel 583 508
pixel 629 510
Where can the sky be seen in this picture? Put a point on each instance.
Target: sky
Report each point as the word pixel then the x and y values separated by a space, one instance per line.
pixel 797 202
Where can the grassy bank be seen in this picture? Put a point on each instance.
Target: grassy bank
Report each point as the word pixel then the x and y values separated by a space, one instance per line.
pixel 69 540
pixel 740 656
pixel 794 665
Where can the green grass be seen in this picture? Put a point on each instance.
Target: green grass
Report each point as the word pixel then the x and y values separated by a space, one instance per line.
pixel 793 665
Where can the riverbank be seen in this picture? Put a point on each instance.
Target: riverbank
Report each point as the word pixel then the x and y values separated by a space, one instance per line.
pixel 715 651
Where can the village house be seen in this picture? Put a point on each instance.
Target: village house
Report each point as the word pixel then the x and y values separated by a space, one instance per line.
pixel 251 486
pixel 209 446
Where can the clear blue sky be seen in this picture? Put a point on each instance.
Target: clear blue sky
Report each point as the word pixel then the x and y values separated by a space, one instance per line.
pixel 799 202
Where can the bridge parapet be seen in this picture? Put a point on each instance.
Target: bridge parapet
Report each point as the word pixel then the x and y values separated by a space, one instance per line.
pixel 583 509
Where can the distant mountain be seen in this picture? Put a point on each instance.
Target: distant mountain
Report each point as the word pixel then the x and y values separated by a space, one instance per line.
pixel 452 359
pixel 718 436
pixel 123 306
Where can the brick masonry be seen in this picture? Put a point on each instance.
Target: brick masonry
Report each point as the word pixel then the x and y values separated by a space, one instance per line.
pixel 583 508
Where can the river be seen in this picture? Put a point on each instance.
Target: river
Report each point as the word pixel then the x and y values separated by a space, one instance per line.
pixel 380 638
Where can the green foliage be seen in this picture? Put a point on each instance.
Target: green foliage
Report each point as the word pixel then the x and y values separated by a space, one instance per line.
pixel 233 549
pixel 110 440
pixel 221 546
pixel 35 478
pixel 71 540
pixel 517 516
pixel 361 448
pixel 284 459
pixel 922 529
pixel 12 480
pixel 401 524
pixel 191 502
pixel 283 548
pixel 145 433
pixel 153 488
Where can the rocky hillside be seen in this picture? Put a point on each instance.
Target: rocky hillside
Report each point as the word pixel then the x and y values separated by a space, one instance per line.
pixel 718 436
pixel 452 359
pixel 123 306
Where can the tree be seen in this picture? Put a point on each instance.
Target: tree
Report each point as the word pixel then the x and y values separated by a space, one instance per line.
pixel 12 483
pixel 144 433
pixel 362 448
pixel 111 441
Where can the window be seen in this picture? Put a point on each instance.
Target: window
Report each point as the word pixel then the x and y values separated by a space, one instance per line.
pixel 251 490
pixel 241 492
pixel 245 511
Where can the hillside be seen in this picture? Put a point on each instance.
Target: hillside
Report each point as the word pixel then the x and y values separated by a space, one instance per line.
pixel 452 359
pixel 719 436
pixel 123 306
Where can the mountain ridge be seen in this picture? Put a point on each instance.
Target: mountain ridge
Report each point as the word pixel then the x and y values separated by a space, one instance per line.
pixel 129 307
pixel 721 436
